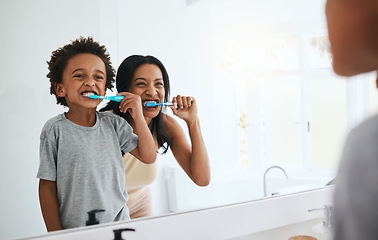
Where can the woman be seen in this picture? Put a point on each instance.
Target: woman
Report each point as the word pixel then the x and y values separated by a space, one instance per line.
pixel 147 77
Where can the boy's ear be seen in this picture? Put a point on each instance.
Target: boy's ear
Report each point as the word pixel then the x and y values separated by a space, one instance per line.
pixel 59 89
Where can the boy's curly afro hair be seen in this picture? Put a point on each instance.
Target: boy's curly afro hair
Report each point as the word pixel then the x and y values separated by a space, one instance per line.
pixel 59 59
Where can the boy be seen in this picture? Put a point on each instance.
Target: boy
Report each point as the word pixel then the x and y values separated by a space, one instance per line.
pixel 81 166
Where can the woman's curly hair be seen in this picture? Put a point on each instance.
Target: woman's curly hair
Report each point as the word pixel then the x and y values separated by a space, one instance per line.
pixel 60 57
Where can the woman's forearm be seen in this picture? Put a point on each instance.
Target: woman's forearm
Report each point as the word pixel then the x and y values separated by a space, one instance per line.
pixel 199 160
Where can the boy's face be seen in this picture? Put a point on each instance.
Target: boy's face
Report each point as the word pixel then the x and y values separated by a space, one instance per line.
pixel 85 74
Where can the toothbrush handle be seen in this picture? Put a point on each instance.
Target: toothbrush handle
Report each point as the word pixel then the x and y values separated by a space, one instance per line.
pixel 152 104
pixel 117 98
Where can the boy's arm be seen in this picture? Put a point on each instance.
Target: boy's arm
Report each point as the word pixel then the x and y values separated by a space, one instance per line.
pixel 146 149
pixel 49 205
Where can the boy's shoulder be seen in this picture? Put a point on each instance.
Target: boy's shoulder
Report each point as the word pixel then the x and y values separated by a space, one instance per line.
pixel 112 119
pixel 54 120
pixel 51 123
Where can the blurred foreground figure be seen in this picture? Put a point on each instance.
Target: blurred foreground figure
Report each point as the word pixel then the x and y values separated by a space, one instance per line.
pixel 353 34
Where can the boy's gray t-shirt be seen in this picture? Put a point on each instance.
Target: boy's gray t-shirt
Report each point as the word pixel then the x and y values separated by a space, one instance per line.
pixel 87 165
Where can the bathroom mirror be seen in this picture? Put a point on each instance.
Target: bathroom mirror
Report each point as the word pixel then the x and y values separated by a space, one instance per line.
pixel 260 71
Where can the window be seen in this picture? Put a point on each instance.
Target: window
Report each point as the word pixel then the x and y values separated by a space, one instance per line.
pixel 292 109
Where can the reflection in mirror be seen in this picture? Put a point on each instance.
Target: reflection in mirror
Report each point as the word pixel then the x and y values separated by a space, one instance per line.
pixel 260 71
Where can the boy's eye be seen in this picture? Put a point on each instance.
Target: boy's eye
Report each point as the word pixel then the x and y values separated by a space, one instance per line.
pixel 78 75
pixel 99 77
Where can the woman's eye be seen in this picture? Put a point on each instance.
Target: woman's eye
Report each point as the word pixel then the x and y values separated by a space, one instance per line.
pixel 140 84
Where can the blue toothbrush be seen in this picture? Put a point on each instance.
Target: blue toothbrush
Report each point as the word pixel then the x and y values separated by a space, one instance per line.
pixel 153 104
pixel 117 98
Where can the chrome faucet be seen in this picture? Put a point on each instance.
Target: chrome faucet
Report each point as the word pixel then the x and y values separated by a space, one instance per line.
pixel 266 171
pixel 328 215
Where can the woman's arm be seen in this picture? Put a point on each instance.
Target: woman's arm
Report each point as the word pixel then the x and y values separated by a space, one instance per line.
pixel 49 205
pixel 192 158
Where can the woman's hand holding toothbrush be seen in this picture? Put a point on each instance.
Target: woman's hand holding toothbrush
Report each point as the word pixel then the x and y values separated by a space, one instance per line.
pixel 185 107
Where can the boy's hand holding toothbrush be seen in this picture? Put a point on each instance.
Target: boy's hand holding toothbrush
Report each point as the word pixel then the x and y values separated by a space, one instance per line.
pixel 132 103
pixel 146 149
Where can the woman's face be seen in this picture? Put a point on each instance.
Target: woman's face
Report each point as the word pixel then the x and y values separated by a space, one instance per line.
pixel 147 82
